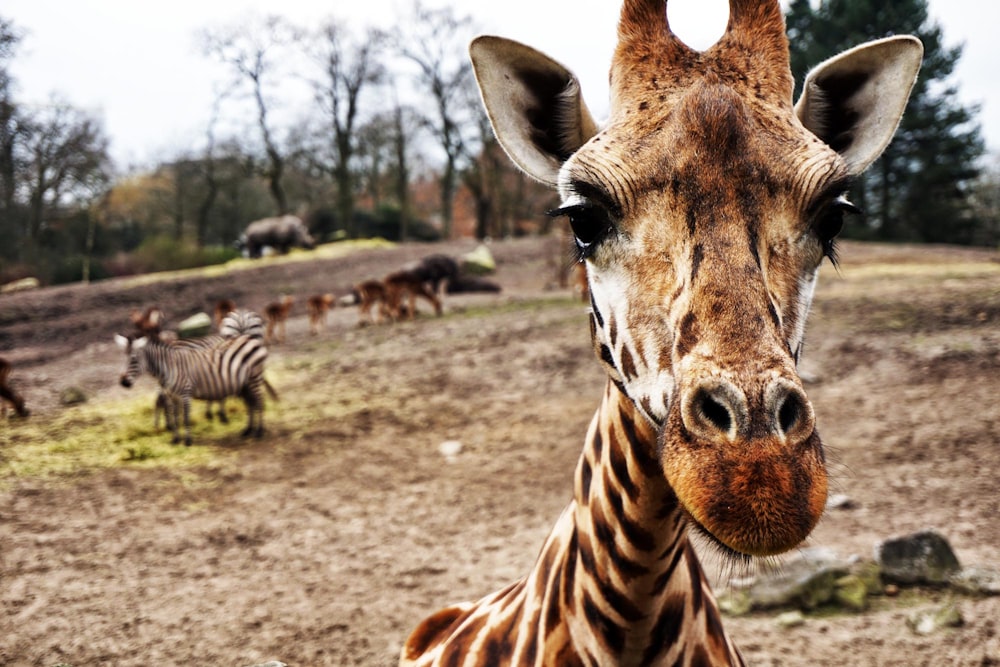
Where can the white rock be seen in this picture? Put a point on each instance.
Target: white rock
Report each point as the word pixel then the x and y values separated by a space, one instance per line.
pixel 450 448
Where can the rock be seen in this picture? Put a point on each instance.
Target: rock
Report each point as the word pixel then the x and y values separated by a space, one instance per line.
pixel 72 396
pixel 840 501
pixel 790 619
pixel 976 581
pixel 805 582
pixel 479 262
pixel 734 602
pixel 450 448
pixel 196 326
pixel 929 621
pixel 920 558
pixel 19 285
pixel 851 593
pixel 871 575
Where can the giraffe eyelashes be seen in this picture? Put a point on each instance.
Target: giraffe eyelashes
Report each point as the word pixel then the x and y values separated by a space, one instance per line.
pixel 831 222
pixel 590 225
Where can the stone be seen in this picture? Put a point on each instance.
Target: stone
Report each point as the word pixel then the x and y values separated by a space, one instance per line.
pixel 929 621
pixel 840 501
pixel 920 558
pixel 976 581
pixel 72 396
pixel 734 602
pixel 790 619
pixel 805 582
pixel 850 592
pixel 871 575
pixel 19 285
pixel 450 448
pixel 479 261
pixel 196 326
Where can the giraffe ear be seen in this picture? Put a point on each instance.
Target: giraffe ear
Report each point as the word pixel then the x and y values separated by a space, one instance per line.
pixel 854 101
pixel 534 105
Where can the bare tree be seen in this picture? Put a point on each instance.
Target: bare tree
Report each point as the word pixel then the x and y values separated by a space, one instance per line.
pixel 374 151
pixel 66 157
pixel 10 129
pixel 349 66
pixel 403 130
pixel 435 41
pixel 209 176
pixel 251 52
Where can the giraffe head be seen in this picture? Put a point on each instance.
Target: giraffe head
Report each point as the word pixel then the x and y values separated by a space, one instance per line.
pixel 703 209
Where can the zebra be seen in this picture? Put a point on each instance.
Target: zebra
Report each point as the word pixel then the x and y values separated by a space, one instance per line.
pixel 242 323
pixel 234 323
pixel 232 367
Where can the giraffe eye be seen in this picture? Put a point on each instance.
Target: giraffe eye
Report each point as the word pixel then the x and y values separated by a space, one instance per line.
pixel 590 224
pixel 831 222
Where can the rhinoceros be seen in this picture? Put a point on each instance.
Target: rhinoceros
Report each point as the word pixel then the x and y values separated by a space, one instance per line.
pixel 281 233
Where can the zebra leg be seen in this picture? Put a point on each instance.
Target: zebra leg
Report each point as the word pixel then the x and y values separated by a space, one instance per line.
pixel 187 421
pixel 208 411
pixel 174 426
pixel 223 417
pixel 254 401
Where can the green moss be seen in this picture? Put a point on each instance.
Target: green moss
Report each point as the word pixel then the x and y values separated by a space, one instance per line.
pixel 99 434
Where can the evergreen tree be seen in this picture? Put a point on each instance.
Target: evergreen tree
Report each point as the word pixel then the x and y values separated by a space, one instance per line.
pixel 919 190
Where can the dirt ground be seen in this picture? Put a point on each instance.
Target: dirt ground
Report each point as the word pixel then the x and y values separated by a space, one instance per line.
pixel 328 540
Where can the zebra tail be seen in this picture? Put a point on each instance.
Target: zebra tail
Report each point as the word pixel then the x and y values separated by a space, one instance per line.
pixel 270 390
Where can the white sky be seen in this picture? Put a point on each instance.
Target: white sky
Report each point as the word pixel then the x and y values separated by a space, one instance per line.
pixel 138 65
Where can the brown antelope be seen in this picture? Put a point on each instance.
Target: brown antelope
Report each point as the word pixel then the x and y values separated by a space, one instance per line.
pixel 367 294
pixel 148 322
pixel 222 308
pixel 318 305
pixel 7 394
pixel 276 314
pixel 409 284
pixel 702 209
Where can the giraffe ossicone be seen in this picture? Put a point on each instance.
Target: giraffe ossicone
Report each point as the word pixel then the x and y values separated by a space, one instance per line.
pixel 703 209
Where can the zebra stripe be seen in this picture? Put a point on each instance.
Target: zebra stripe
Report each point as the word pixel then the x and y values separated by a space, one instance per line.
pixel 242 323
pixel 231 367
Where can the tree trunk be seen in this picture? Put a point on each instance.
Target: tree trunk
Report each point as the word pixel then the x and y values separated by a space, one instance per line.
pixel 447 197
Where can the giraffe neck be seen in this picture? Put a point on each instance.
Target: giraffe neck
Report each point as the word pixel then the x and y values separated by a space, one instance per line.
pixel 632 590
pixel 616 582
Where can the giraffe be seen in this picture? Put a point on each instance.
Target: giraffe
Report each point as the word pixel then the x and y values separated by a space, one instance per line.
pixel 702 210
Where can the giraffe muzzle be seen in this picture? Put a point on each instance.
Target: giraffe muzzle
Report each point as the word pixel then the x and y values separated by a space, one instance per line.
pixel 747 465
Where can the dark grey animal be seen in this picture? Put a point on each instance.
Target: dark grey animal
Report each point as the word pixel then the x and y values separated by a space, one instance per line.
pixel 463 284
pixel 281 233
pixel 435 270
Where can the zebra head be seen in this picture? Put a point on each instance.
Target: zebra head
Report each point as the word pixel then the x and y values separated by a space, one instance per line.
pixel 132 348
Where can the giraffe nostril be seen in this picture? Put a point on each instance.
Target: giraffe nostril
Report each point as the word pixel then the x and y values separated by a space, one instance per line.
pixel 789 413
pixel 714 412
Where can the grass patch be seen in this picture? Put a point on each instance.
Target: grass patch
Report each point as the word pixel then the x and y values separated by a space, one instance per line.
pixel 98 435
pixel 326 251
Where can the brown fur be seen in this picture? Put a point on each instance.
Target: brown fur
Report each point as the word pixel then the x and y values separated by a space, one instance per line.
pixel 368 294
pixel 276 314
pixel 408 284
pixel 148 322
pixel 318 305
pixel 7 394
pixel 222 308
pixel 701 209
